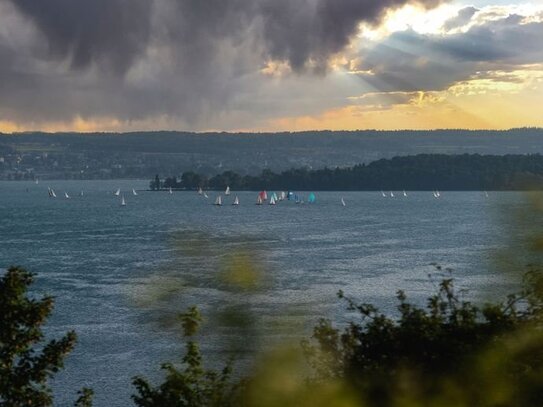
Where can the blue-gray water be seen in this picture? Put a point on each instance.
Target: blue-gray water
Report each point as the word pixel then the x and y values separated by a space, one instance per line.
pixel 107 265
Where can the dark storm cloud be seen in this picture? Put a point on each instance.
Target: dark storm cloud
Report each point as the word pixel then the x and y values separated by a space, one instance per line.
pixel 116 31
pixel 131 59
pixel 301 31
pixel 111 32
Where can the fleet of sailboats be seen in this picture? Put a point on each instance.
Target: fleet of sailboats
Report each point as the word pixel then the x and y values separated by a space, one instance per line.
pixel 273 198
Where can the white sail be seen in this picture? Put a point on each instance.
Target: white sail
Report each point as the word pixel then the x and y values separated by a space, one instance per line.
pixel 218 201
pixel 272 200
pixel 438 194
pixel 259 200
pixel 205 195
pixel 391 194
pixel 53 193
pixel 134 192
pixel 486 194
pixel 227 192
pixel 343 202
pixel 81 193
pixel 404 193
pixel 383 194
pixel 118 192
pixel 123 202
pixel 200 192
pixel 66 195
pixel 170 191
pixel 236 201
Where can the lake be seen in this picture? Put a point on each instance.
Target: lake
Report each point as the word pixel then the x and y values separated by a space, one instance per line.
pixel 120 274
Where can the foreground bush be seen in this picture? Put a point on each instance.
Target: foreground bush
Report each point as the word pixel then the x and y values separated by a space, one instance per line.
pixel 25 371
pixel 449 353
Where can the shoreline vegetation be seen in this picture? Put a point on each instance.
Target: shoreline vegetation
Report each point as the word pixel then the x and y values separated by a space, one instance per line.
pixel 422 172
pixel 449 352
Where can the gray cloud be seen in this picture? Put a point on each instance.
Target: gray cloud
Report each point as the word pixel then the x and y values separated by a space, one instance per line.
pixel 409 61
pixel 462 18
pixel 191 59
pixel 111 32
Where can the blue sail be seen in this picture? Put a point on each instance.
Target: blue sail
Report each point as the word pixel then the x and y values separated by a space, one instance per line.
pixel 311 198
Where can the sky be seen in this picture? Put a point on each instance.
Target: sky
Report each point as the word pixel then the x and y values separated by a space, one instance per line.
pixel 270 65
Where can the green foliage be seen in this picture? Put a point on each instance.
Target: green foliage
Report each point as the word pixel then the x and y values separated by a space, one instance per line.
pixel 85 398
pixel 433 348
pixel 193 385
pixel 24 371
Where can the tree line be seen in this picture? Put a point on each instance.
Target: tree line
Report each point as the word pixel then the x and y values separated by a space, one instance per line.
pixel 417 172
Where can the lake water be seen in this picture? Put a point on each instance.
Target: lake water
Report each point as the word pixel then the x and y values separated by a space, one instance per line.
pixel 119 274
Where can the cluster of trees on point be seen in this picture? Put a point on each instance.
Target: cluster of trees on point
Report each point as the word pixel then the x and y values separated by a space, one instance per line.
pixel 418 172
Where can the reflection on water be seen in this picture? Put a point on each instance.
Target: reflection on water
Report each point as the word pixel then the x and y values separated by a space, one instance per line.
pixel 121 274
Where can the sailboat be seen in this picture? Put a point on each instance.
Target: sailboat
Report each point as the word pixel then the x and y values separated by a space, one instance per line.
pixel 312 198
pixel 200 191
pixel 134 192
pixel 383 194
pixel 53 193
pixel 218 201
pixel 118 192
pixel 227 192
pixel 343 202
pixel 438 194
pixel 170 191
pixel 236 201
pixel 262 197
pixel 391 194
pixel 272 200
pixel 123 202
pixel 404 193
pixel 66 195
pixel 81 193
pixel 486 194
pixel 205 195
